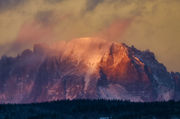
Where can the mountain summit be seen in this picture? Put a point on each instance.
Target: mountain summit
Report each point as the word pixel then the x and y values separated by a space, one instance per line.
pixel 86 68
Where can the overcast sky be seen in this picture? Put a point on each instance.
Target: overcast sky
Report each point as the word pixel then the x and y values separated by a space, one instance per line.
pixel 146 24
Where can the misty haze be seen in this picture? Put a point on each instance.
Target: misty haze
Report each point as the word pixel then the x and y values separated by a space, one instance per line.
pixel 89 59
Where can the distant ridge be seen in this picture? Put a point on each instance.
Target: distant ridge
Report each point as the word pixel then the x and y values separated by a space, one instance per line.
pixel 86 68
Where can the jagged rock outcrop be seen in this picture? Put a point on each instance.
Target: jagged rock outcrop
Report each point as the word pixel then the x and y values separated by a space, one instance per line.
pixel 120 72
pixel 176 78
pixel 138 72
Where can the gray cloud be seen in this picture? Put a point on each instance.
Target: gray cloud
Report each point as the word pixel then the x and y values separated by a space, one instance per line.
pixel 10 4
pixel 53 1
pixel 44 17
pixel 91 4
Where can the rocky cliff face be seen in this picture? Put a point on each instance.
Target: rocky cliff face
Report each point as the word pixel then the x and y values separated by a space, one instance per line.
pixel 176 78
pixel 138 73
pixel 118 72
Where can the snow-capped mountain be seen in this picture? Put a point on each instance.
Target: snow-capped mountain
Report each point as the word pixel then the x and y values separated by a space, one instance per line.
pixel 86 68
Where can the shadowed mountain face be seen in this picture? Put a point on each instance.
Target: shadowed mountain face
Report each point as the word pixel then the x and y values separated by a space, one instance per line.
pixel 108 71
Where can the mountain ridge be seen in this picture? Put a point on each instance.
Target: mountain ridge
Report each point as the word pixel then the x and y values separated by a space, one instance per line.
pixel 118 72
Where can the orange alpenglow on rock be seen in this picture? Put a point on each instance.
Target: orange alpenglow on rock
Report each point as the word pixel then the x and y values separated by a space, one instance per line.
pixel 85 68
